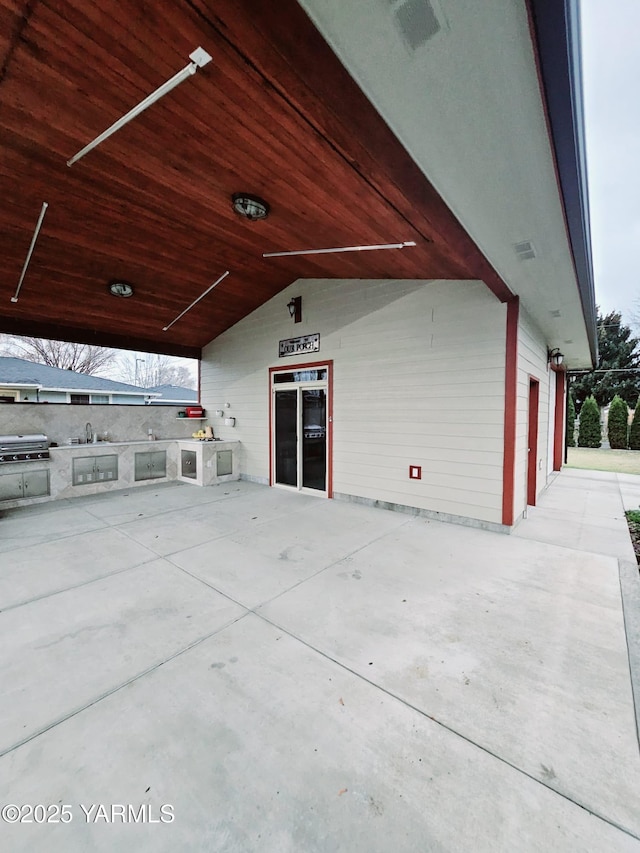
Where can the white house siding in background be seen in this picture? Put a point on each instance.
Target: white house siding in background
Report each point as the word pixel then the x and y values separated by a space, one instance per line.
pixel 418 380
pixel 532 362
pixel 46 396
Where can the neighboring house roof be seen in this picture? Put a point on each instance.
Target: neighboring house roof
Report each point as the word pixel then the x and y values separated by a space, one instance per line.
pixel 18 372
pixel 172 394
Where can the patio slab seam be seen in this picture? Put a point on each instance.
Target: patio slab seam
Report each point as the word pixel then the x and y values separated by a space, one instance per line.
pixel 629 580
pixel 293 586
pixel 120 525
pixel 21 544
pixel 58 721
pixel 155 514
pixel 630 593
pixel 152 559
pixel 450 729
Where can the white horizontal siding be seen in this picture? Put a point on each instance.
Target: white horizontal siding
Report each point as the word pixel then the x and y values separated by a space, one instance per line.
pixel 418 380
pixel 532 363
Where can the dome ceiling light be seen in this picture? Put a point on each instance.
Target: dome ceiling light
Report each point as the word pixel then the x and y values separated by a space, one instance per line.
pixel 121 288
pixel 250 206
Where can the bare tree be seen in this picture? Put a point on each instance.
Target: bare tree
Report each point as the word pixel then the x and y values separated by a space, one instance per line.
pixel 148 370
pixel 634 316
pixel 82 358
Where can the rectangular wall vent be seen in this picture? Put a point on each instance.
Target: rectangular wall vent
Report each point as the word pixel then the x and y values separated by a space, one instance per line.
pixel 416 21
pixel 525 250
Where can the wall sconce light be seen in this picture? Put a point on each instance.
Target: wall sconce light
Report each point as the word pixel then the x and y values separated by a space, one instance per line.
pixel 295 309
pixel 555 357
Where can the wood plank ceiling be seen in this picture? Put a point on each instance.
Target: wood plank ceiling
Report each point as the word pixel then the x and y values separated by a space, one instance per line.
pixel 274 114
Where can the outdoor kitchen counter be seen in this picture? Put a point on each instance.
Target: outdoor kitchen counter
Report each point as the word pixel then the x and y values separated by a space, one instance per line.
pixel 87 469
pixel 110 465
pixel 208 462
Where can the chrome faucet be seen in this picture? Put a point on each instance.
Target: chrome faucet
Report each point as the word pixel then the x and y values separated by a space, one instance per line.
pixel 88 433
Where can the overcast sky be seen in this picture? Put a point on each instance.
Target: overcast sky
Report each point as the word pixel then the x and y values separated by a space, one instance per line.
pixel 611 70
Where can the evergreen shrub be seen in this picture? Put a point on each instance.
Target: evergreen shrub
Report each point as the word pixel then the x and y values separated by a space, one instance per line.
pixel 571 423
pixel 589 431
pixel 634 432
pixel 618 424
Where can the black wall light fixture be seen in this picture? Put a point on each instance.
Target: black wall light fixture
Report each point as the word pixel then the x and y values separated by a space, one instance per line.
pixel 295 309
pixel 555 357
pixel 250 206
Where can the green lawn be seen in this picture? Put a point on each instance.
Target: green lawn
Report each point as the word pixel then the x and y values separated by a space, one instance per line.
pixel 597 459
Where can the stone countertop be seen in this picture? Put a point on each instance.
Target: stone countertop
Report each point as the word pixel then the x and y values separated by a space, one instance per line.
pixel 101 445
pixel 137 442
pixel 211 441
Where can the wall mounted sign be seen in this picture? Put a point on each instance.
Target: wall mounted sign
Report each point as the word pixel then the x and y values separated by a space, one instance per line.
pixel 298 346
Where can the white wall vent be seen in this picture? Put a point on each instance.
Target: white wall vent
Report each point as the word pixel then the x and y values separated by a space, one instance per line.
pixel 525 250
pixel 417 22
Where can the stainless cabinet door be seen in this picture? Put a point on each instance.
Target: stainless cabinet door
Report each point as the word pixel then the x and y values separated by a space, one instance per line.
pixel 36 483
pixel 158 463
pixel 188 459
pixel 150 465
pixel 106 468
pixel 10 487
pixel 142 466
pixel 224 462
pixel 83 471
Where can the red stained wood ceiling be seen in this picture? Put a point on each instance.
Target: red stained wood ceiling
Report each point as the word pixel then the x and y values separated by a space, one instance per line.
pixel 274 114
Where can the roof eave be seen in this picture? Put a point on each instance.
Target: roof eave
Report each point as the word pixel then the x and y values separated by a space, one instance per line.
pixel 557 32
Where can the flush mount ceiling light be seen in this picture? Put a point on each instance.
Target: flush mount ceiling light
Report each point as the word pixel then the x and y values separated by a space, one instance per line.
pixel 199 58
pixel 120 288
pixel 406 245
pixel 250 206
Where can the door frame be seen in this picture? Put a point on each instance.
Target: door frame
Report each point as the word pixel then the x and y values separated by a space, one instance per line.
pixel 532 439
pixel 559 420
pixel 287 368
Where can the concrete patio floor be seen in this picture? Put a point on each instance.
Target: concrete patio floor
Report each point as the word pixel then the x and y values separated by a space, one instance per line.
pixel 294 674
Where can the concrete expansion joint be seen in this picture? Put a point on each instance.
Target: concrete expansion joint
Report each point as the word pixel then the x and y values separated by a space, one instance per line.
pixel 332 565
pixel 629 574
pixel 152 559
pixel 156 514
pixel 74 713
pixel 630 592
pixel 448 728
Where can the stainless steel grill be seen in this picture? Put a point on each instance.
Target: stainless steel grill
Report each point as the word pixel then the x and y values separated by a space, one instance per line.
pixel 23 448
